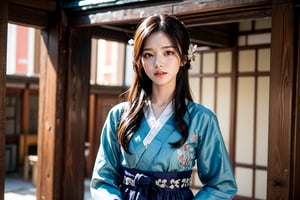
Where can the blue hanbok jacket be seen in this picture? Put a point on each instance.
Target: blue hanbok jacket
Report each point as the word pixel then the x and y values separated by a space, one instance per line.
pixel 204 149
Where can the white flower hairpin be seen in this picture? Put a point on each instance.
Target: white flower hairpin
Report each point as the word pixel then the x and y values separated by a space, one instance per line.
pixel 131 42
pixel 191 52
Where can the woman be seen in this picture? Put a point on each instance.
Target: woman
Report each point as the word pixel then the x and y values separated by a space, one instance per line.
pixel 150 143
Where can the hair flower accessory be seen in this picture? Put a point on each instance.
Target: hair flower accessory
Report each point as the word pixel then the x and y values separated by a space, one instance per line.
pixel 131 42
pixel 191 52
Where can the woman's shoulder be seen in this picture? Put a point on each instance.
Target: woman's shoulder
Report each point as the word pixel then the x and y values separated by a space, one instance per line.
pixel 201 116
pixel 198 112
pixel 119 107
pixel 195 108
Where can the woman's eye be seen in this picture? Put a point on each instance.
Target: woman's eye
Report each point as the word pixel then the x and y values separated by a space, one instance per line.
pixel 147 55
pixel 169 52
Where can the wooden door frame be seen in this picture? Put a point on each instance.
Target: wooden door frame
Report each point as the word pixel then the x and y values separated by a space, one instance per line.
pixel 3 49
pixel 64 84
pixel 296 133
pixel 282 122
pixel 60 98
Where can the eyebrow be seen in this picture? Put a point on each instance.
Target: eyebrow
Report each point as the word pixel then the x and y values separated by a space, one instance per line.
pixel 164 47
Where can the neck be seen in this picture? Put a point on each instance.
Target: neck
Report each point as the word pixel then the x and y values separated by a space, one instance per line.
pixel 161 97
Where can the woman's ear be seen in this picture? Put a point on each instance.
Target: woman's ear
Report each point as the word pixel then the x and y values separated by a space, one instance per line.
pixel 183 62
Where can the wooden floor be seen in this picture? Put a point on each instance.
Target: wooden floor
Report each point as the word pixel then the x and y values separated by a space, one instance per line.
pixel 16 188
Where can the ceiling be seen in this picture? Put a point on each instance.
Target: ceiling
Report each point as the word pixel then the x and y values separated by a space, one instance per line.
pixel 205 28
pixel 210 22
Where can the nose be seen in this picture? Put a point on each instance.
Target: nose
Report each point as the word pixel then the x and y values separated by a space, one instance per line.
pixel 158 62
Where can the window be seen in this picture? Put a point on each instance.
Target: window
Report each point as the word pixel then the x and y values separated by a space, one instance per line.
pixel 13 114
pixel 22 50
pixel 236 86
pixel 108 61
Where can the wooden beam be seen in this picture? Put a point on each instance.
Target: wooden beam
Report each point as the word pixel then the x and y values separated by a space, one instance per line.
pixel 27 16
pixel 109 34
pixel 226 17
pixel 281 98
pixel 45 5
pixel 211 36
pixel 3 50
pixel 186 10
pixel 37 12
pixel 214 12
pixel 193 13
pixel 117 16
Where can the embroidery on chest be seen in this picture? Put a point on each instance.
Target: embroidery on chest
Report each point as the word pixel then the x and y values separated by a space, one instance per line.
pixel 186 153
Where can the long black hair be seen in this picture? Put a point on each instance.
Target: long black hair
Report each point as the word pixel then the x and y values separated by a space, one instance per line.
pixel 141 87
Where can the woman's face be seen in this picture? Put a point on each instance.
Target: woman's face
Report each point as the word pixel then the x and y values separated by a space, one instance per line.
pixel 160 60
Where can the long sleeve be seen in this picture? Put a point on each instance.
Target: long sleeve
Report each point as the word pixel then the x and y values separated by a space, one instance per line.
pixel 213 163
pixel 107 176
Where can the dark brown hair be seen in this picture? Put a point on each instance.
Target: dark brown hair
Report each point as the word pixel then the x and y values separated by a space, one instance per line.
pixel 141 87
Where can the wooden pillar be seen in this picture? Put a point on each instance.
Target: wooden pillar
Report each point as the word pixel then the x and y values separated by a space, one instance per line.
pixel 296 133
pixel 76 123
pixel 23 149
pixel 52 107
pixel 63 112
pixel 281 100
pixel 92 139
pixel 3 46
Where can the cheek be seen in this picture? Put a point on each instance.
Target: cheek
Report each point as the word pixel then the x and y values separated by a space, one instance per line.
pixel 146 68
pixel 147 65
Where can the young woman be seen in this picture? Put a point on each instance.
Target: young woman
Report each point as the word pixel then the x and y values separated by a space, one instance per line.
pixel 150 143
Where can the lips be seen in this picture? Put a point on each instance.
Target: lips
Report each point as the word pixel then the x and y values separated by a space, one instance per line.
pixel 160 73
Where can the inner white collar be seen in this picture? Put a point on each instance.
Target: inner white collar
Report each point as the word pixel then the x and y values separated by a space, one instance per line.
pixel 150 116
pixel 156 124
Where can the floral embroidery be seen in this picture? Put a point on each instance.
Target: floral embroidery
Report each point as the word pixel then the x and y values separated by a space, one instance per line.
pixel 173 183
pixel 185 182
pixel 185 154
pixel 163 183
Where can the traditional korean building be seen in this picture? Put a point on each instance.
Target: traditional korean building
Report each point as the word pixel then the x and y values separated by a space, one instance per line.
pixel 65 63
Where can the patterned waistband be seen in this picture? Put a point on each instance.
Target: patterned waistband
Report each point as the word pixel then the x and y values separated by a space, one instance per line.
pixel 163 180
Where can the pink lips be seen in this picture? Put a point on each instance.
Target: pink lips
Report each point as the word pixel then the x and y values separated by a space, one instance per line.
pixel 160 73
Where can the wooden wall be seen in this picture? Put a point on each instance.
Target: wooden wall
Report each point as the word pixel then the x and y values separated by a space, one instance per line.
pixel 64 88
pixel 282 81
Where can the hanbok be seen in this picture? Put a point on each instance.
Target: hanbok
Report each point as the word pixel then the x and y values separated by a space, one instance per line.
pixel 155 169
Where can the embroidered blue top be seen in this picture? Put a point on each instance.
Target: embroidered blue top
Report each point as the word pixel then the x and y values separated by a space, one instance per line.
pixel 151 151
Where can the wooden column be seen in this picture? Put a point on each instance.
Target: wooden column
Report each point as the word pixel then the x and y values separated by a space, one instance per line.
pixel 296 133
pixel 63 112
pixel 23 149
pixel 281 100
pixel 3 44
pixel 76 123
pixel 52 108
pixel 92 139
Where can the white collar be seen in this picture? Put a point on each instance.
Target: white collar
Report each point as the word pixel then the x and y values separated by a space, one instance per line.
pixel 156 124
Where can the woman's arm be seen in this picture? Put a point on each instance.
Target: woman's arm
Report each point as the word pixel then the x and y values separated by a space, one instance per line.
pixel 107 174
pixel 214 166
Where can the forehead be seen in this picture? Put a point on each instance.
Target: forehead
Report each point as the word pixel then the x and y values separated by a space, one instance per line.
pixel 158 39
